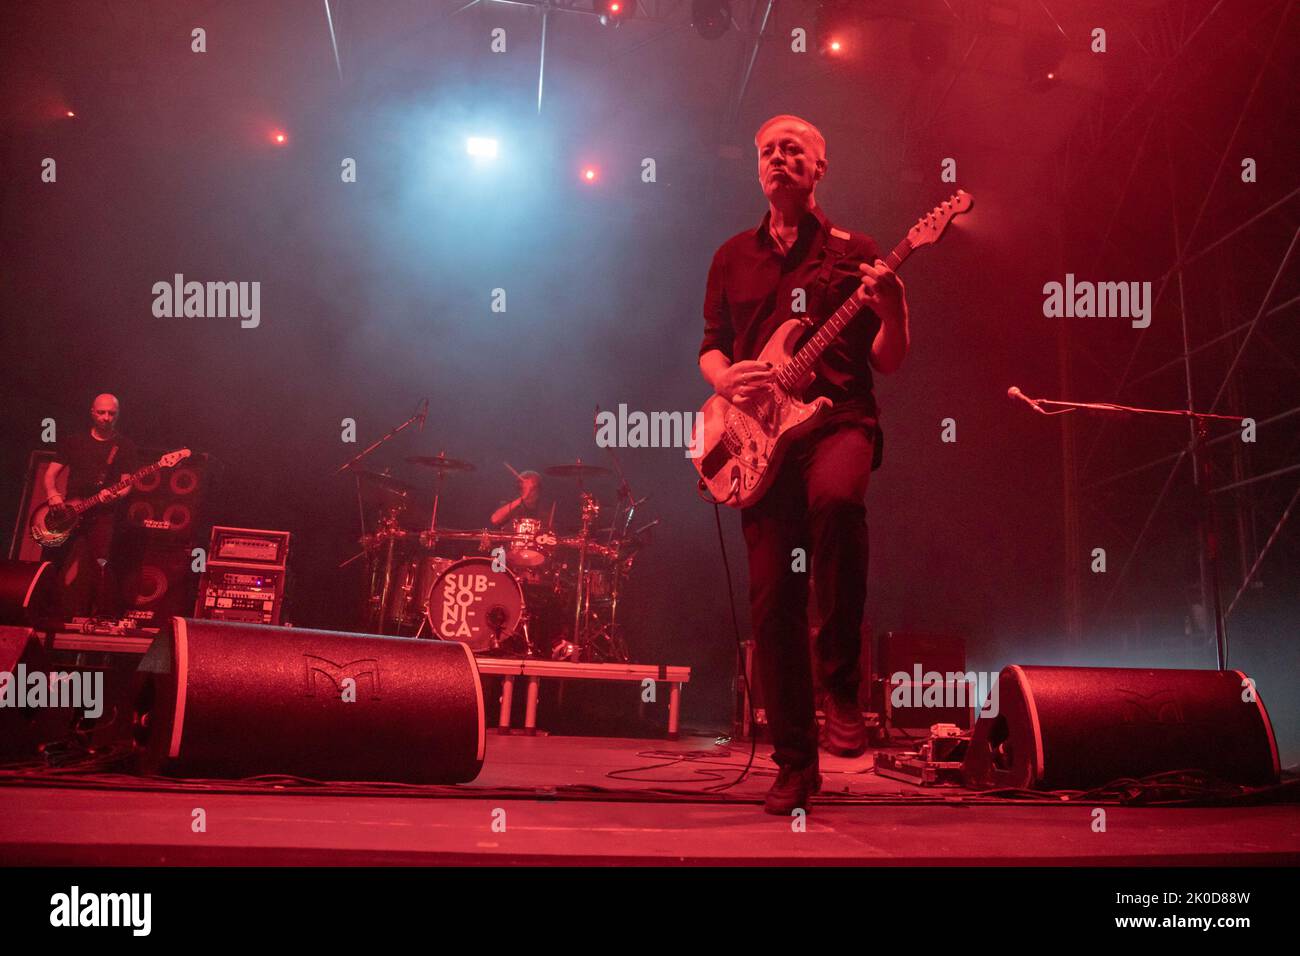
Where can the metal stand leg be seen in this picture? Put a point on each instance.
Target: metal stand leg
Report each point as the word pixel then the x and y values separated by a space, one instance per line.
pixel 530 711
pixel 507 695
pixel 674 707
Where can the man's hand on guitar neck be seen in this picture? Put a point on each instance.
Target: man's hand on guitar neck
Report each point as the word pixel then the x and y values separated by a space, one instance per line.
pixel 104 495
pixel 882 291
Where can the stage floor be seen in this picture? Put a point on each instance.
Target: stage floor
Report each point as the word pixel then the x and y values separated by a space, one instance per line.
pixel 559 806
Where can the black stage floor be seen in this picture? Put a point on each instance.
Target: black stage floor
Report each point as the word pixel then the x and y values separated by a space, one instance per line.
pixel 553 801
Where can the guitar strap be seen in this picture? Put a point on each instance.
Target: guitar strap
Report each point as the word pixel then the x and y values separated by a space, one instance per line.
pixel 837 248
pixel 101 478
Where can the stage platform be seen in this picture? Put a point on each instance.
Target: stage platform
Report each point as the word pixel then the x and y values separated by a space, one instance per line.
pixel 613 801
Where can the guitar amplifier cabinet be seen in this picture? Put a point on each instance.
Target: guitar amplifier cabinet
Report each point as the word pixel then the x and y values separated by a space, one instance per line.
pixel 245 576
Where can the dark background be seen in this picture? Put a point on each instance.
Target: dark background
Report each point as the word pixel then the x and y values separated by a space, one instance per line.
pixel 376 294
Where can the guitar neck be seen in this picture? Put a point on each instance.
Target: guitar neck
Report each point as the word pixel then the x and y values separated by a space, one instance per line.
pixel 87 503
pixel 808 354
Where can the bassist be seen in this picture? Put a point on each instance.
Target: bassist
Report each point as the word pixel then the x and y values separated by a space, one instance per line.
pixel 98 456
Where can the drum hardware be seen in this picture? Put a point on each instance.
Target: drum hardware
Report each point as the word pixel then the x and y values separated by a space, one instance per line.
pixel 555 596
pixel 577 470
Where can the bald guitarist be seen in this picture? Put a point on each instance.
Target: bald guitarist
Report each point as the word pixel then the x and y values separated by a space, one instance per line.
pixel 816 501
pixel 93 458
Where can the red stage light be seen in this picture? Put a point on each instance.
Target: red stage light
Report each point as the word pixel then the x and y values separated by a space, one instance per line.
pixel 279 138
pixel 71 114
pixel 589 174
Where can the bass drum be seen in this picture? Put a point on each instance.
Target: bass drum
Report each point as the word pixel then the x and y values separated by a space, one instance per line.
pixel 472 603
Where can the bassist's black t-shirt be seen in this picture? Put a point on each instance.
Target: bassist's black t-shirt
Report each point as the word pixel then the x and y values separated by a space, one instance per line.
pixel 92 463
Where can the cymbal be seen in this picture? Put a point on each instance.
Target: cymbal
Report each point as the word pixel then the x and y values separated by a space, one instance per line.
pixel 575 469
pixel 385 482
pixel 441 462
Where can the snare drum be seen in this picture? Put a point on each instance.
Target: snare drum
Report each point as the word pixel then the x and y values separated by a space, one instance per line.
pixel 526 549
pixel 474 604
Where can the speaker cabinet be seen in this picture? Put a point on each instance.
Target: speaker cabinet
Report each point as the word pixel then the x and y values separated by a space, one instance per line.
pixel 166 505
pixel 221 698
pixel 22 547
pixel 1074 728
pixel 156 581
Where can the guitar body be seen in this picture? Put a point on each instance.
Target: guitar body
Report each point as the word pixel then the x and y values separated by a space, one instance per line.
pixel 742 448
pixel 52 526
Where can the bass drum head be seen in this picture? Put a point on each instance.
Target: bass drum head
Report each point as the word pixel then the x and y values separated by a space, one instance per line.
pixel 474 604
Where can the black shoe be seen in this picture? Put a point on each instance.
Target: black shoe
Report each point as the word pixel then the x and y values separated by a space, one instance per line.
pixel 844 733
pixel 792 790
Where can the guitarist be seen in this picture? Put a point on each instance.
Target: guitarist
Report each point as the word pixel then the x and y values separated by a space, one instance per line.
pixel 93 458
pixel 817 500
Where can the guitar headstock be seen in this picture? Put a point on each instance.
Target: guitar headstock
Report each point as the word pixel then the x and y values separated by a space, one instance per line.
pixel 170 459
pixel 930 227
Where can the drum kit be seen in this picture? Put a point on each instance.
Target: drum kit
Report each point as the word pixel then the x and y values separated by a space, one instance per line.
pixel 519 591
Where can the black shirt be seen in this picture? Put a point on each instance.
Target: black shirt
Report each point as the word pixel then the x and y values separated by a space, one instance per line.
pixel 88 461
pixel 749 295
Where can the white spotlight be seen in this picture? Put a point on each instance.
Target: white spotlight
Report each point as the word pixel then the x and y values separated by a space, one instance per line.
pixel 480 147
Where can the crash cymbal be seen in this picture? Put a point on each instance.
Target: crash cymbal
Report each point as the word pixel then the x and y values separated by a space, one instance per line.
pixel 441 462
pixel 575 469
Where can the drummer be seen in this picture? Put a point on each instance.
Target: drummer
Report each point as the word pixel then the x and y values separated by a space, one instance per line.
pixel 529 504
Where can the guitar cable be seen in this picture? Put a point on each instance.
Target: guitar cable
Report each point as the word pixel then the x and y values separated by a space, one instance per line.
pixel 702 491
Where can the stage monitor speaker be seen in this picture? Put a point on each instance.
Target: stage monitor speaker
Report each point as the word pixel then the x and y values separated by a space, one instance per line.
pixel 1075 728
pixel 222 698
pixel 27 591
pixel 22 728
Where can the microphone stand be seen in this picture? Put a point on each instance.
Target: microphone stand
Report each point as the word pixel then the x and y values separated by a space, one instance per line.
pixel 421 414
pixel 1209 539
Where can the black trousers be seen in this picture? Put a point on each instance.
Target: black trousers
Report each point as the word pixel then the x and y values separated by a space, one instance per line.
pixel 817 503
pixel 88 584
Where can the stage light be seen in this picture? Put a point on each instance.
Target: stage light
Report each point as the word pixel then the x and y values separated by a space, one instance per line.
pixel 613 12
pixel 481 147
pixel 837 28
pixel 590 174
pixel 278 137
pixel 70 114
pixel 1041 59
pixel 711 18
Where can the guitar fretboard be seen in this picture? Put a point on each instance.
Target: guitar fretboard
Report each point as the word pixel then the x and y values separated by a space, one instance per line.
pixel 794 371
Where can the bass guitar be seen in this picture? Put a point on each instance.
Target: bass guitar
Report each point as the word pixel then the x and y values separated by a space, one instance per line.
pixel 51 526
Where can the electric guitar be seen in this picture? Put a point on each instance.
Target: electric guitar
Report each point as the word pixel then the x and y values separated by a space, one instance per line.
pixel 742 447
pixel 51 526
